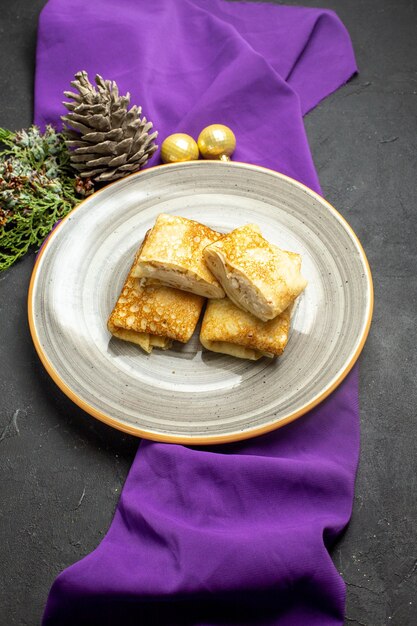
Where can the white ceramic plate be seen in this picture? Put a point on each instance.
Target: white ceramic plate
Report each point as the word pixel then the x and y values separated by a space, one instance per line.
pixel 187 394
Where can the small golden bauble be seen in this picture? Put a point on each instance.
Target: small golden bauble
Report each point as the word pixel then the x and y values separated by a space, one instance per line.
pixel 217 142
pixel 179 147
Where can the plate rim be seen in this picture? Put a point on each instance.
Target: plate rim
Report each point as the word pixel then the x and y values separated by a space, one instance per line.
pixel 209 439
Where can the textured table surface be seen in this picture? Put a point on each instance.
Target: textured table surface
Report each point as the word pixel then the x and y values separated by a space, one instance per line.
pixel 62 471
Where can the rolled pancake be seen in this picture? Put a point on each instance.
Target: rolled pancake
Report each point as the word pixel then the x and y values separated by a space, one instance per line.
pixel 172 255
pixel 229 330
pixel 153 316
pixel 256 275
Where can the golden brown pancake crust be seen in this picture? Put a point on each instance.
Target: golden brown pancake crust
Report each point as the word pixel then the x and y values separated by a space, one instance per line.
pixel 173 250
pixel 224 322
pixel 154 310
pixel 256 275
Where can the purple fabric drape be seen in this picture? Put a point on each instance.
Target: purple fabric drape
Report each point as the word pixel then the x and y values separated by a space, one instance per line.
pixel 236 534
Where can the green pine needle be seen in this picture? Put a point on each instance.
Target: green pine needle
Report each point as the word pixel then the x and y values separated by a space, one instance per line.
pixel 37 188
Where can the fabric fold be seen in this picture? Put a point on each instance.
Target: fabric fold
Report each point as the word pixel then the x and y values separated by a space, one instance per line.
pixel 239 533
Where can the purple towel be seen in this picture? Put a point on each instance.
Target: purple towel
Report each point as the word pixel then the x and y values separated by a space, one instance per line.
pixel 235 534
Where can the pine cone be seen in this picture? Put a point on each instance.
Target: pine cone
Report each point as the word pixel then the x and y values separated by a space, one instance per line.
pixel 106 141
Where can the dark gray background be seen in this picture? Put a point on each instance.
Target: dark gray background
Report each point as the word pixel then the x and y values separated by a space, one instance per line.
pixel 62 471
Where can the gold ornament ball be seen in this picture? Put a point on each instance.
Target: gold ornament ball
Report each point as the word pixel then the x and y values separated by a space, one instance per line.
pixel 217 142
pixel 179 147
